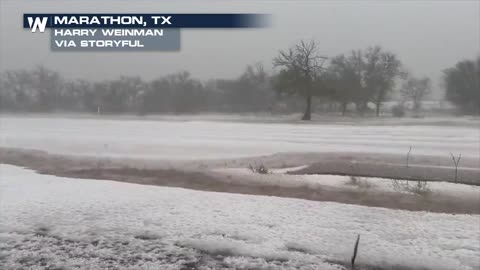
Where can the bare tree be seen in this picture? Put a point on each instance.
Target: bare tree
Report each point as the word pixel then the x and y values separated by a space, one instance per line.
pixel 462 83
pixel 345 77
pixel 456 162
pixel 17 93
pixel 301 65
pixel 47 84
pixel 250 92
pixel 416 90
pixel 382 68
pixel 32 90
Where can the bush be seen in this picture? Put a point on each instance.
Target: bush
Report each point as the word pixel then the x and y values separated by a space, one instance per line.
pixel 398 110
pixel 261 169
pixel 359 182
pixel 419 187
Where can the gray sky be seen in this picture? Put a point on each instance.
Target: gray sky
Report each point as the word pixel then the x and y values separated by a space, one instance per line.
pixel 427 36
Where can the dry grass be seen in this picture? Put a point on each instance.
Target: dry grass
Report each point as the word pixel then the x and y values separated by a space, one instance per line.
pixel 415 187
pixel 259 168
pixel 360 182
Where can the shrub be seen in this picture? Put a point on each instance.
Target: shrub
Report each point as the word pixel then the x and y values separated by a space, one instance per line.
pixel 359 182
pixel 258 168
pixel 419 188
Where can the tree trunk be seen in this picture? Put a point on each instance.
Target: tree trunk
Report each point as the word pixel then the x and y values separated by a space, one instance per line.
pixel 361 107
pixel 344 108
pixel 307 115
pixel 377 110
pixel 416 106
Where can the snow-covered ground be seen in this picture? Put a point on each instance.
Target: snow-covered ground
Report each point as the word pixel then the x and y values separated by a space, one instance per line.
pixel 52 221
pixel 182 140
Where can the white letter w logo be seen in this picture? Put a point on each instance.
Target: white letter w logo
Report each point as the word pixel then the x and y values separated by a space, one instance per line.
pixel 39 22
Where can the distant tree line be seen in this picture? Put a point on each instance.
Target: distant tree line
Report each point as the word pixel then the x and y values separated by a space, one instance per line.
pixel 361 79
pixel 43 90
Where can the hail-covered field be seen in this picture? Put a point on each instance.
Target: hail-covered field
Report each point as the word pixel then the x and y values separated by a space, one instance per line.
pixel 178 139
pixel 63 223
pixel 50 222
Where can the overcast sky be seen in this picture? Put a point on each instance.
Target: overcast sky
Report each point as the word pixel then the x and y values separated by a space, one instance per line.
pixel 427 36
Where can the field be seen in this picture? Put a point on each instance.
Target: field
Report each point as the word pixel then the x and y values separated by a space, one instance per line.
pixel 173 193
pixel 180 139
